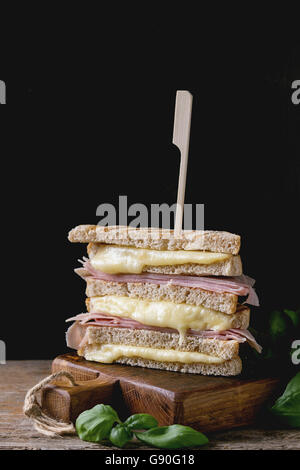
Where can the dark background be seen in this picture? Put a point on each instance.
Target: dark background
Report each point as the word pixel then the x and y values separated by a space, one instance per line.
pixel 82 128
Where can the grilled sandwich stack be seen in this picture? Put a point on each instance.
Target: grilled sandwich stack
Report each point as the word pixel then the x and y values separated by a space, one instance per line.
pixel 162 302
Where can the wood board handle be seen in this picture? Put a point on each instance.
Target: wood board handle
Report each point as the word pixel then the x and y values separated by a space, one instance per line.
pixel 65 403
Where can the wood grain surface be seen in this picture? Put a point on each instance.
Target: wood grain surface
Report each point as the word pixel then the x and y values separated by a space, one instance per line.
pixel 17 432
pixel 202 402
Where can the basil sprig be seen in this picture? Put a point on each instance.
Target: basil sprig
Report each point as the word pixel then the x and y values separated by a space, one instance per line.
pixel 141 421
pixel 120 435
pixel 281 329
pixel 287 407
pixel 97 424
pixel 294 316
pixel 172 437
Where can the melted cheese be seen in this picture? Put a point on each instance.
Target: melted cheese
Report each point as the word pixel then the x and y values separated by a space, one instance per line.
pixel 113 259
pixel 163 314
pixel 109 353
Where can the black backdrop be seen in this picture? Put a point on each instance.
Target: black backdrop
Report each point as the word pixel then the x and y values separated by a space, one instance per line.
pixel 90 129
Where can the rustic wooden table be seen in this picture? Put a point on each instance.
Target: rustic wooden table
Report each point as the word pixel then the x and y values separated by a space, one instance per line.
pixel 17 432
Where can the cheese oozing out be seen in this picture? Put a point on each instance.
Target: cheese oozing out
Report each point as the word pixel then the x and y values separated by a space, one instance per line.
pixel 162 313
pixel 109 353
pixel 114 259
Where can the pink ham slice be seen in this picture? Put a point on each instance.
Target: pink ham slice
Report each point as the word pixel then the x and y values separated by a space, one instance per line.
pixel 239 285
pixel 75 337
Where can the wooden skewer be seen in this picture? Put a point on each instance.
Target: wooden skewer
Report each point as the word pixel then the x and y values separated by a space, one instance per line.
pixel 181 138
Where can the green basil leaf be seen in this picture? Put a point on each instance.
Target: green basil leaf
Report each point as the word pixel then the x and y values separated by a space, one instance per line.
pixel 95 424
pixel 294 316
pixel 287 407
pixel 268 353
pixel 172 437
pixel 120 435
pixel 141 421
pixel 278 325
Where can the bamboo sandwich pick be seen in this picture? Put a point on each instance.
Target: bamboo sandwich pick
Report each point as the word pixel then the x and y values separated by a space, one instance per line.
pixel 181 138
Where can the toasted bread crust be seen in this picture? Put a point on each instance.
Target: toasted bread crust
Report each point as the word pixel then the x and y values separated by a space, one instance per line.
pixel 223 302
pixel 158 239
pixel 228 368
pixel 230 267
pixel 240 319
pixel 226 349
pixel 108 335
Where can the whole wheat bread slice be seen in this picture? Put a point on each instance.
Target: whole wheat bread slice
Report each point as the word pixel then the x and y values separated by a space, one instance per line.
pixel 230 267
pixel 158 239
pixel 226 349
pixel 223 302
pixel 107 335
pixel 240 319
pixel 227 368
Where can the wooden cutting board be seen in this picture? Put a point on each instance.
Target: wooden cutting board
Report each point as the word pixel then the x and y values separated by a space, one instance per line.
pixel 205 403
